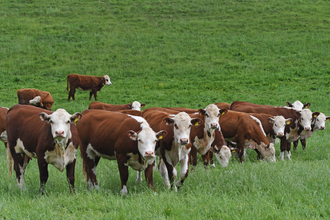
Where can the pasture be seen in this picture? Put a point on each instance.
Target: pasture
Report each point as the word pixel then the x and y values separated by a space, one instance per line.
pixel 173 54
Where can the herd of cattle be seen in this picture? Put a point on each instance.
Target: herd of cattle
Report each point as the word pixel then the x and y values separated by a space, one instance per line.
pixel 134 138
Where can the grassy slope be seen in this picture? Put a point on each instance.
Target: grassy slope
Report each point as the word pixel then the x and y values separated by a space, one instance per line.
pixel 179 53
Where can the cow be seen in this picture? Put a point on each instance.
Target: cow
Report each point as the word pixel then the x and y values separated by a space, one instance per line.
pixel 3 132
pixel 51 137
pixel 223 105
pixel 116 136
pixel 93 84
pixel 109 107
pixel 175 147
pixel 35 97
pixel 298 105
pixel 247 131
pixel 301 118
pixel 202 137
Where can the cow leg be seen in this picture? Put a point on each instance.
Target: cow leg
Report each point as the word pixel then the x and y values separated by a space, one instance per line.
pixel 164 173
pixel 193 157
pixel 211 159
pixel 206 159
pixel 70 168
pixel 95 95
pixel 20 163
pixel 43 172
pixel 71 93
pixel 123 171
pixel 148 175
pixel 184 171
pixel 283 148
pixel 90 95
pixel 139 176
pixel 303 143
pixel 287 152
pixel 90 162
pixel 295 144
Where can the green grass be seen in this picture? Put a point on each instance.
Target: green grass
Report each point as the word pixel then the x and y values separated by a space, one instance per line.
pixel 170 54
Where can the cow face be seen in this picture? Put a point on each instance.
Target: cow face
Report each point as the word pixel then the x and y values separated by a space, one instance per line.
pixel 279 123
pixel 305 120
pixel 59 122
pixel 223 156
pixel 136 105
pixel 212 114
pixel 182 125
pixel 319 120
pixel 146 140
pixel 107 80
pixel 267 151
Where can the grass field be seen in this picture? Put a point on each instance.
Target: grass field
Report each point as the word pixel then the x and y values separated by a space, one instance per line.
pixel 173 54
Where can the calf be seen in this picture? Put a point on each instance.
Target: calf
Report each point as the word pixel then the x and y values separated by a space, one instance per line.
pixel 175 147
pixel 116 136
pixel 109 107
pixel 246 130
pixel 51 137
pixel 35 97
pixel 89 83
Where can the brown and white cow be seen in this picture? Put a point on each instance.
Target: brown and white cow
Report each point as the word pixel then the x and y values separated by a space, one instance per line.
pixel 35 97
pixel 3 132
pixel 175 147
pixel 51 137
pixel 292 133
pixel 93 84
pixel 298 105
pixel 203 137
pixel 247 131
pixel 110 107
pixel 115 136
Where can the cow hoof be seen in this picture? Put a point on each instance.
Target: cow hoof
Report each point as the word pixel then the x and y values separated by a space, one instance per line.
pixel 212 165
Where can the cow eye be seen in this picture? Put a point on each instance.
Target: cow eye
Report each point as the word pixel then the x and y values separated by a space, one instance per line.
pixel 207 115
pixel 189 126
pixel 140 141
pixel 176 126
pixel 50 121
pixel 275 125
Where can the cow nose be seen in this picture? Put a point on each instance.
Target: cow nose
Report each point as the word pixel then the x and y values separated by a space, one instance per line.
pixel 149 154
pixel 214 125
pixel 59 133
pixel 280 134
pixel 322 127
pixel 307 128
pixel 184 141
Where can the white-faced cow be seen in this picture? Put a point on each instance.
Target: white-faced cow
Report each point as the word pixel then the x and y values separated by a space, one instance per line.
pixel 110 107
pixel 203 137
pixel 93 84
pixel 117 136
pixel 247 131
pixel 301 118
pixel 35 97
pixel 51 137
pixel 175 147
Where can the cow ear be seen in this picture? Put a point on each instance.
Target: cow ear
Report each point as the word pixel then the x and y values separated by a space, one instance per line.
pixel 288 121
pixel 271 120
pixel 44 117
pixel 223 111
pixel 132 135
pixel 75 117
pixel 161 134
pixel 315 114
pixel 168 121
pixel 289 104
pixel 130 105
pixel 196 122
pixel 142 105
pixel 306 105
pixel 201 111
pixel 298 115
pixel 327 119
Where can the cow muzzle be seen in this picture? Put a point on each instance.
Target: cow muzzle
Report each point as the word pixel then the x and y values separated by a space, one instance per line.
pixel 280 134
pixel 184 141
pixel 59 134
pixel 307 128
pixel 214 125
pixel 149 154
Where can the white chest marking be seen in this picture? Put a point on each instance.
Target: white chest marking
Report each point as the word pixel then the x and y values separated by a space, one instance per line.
pixel 60 157
pixel 203 145
pixel 176 154
pixel 133 162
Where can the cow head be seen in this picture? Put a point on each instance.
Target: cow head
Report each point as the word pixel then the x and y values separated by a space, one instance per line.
pixel 223 156
pixel 136 105
pixel 305 120
pixel 267 151
pixel 298 105
pixel 279 123
pixel 212 114
pixel 182 124
pixel 36 101
pixel 59 122
pixel 146 140
pixel 318 122
pixel 107 80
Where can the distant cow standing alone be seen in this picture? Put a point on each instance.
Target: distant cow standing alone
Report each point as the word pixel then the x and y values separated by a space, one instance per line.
pixel 89 83
pixel 35 97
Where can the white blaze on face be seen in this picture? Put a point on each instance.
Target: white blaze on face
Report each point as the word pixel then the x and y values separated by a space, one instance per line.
pixel 306 119
pixel 59 122
pixel 36 100
pixel 224 156
pixel 136 106
pixel 267 152
pixel 298 105
pixel 182 125
pixel 212 114
pixel 319 122
pixel 107 80
pixel 279 123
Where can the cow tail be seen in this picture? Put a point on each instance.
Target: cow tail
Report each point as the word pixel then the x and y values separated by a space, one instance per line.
pixel 84 172
pixel 9 160
pixel 67 82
